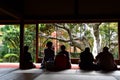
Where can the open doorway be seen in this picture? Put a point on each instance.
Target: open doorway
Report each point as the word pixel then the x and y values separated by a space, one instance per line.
pixel 75 36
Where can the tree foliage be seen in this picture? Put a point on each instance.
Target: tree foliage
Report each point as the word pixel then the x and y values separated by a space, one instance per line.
pixel 11 38
pixel 78 35
pixel 81 35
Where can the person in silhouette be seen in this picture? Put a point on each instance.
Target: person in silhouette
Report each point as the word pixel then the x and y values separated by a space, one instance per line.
pixel 62 59
pixel 28 58
pixel 64 52
pixel 87 60
pixel 105 60
pixel 49 54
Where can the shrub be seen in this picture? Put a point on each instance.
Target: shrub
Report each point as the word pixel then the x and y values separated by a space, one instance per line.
pixel 11 58
pixel 75 55
pixel 1 60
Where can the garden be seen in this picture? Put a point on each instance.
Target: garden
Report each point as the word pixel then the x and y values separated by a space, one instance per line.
pixel 75 36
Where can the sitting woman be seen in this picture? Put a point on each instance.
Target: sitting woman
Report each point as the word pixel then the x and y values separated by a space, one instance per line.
pixel 28 64
pixel 62 60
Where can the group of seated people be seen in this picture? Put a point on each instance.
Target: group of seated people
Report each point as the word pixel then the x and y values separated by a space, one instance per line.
pixel 103 61
pixel 59 62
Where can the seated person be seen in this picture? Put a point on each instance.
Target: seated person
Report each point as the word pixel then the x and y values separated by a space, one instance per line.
pixel 105 60
pixel 86 60
pixel 62 60
pixel 48 55
pixel 28 59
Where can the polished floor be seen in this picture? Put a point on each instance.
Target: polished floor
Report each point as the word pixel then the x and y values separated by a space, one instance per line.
pixel 16 65
pixel 70 74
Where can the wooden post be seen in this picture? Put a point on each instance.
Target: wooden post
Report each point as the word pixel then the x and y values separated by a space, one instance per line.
pixel 21 45
pixel 37 42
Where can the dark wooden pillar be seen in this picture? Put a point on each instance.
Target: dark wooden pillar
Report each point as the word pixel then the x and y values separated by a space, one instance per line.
pixel 21 45
pixel 37 42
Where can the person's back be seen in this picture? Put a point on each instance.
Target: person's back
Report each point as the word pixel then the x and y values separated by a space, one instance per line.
pixel 63 58
pixel 86 60
pixel 64 52
pixel 28 59
pixel 48 54
pixel 105 60
pixel 61 62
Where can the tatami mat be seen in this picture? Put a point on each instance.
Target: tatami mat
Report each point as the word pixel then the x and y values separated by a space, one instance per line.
pixel 73 77
pixel 69 74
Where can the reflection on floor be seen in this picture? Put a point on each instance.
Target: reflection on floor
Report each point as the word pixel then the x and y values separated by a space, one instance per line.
pixel 16 65
pixel 14 73
pixel 70 74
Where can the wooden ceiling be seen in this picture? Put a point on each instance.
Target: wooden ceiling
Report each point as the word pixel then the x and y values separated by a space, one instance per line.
pixel 14 10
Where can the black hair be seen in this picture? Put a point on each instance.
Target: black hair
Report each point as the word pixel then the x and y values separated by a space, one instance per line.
pixel 62 47
pixel 49 44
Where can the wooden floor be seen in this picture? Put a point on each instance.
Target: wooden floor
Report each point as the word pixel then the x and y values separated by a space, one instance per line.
pixel 14 73
pixel 70 74
pixel 16 65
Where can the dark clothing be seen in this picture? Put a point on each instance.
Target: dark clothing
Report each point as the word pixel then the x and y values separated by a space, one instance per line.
pixel 86 61
pixel 48 56
pixel 61 62
pixel 28 57
pixel 86 58
pixel 105 61
pixel 28 64
pixel 65 55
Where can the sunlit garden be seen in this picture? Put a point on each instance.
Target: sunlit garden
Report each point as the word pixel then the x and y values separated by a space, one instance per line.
pixel 75 36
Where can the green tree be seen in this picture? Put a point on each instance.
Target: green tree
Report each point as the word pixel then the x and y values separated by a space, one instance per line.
pixel 10 38
pixel 30 38
pixel 81 35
